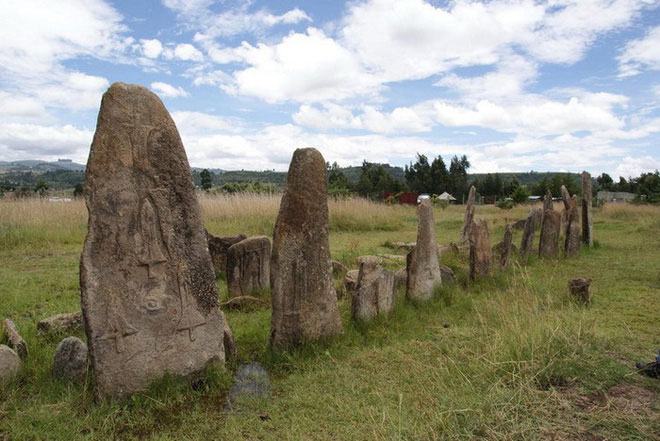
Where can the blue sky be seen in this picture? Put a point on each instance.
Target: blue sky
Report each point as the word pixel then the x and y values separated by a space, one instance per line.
pixel 552 85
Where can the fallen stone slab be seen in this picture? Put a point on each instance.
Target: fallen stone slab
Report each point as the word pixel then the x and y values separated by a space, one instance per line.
pixel 67 322
pixel 14 339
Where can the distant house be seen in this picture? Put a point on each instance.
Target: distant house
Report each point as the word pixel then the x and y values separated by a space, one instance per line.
pixel 614 196
pixel 446 197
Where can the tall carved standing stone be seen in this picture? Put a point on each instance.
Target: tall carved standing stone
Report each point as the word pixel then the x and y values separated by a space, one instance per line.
pixel 248 266
pixel 480 250
pixel 148 291
pixel 527 243
pixel 587 227
pixel 572 241
pixel 549 242
pixel 303 294
pixel 469 214
pixel 422 262
pixel 547 201
pixel 507 246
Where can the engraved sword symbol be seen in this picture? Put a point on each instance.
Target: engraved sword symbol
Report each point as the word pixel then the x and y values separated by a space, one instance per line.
pixel 119 329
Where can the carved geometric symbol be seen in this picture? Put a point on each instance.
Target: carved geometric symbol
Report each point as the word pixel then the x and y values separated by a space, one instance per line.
pixel 119 329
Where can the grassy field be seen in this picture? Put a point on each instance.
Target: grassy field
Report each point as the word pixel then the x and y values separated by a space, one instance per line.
pixel 508 357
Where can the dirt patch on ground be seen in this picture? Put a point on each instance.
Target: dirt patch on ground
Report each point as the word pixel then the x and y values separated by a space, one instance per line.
pixel 622 398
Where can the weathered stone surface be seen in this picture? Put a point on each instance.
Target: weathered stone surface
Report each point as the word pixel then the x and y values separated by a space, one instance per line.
pixel 579 289
pixel 375 291
pixel 527 242
pixel 480 250
pixel 570 224
pixel 549 241
pixel 469 214
pixel 70 360
pixel 572 244
pixel 14 339
pixel 547 201
pixel 519 224
pixel 218 247
pixel 10 363
pixel 248 266
pixel 507 247
pixel 400 278
pixel 422 262
pixel 229 342
pixel 303 295
pixel 587 222
pixel 448 276
pixel 350 281
pixel 67 322
pixel 251 381
pixel 147 283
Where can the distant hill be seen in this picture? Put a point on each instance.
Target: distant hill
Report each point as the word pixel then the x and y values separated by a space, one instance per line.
pixel 39 166
pixel 65 174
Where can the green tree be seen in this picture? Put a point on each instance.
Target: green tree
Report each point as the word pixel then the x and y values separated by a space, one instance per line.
pixel 78 190
pixel 520 195
pixel 206 179
pixel 458 182
pixel 418 175
pixel 605 181
pixel 41 188
pixel 375 180
pixel 439 176
pixel 337 180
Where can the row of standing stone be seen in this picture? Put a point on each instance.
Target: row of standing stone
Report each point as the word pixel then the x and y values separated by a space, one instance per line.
pixel 149 299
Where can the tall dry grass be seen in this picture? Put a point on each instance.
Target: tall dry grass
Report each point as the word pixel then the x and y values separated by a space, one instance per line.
pixel 35 221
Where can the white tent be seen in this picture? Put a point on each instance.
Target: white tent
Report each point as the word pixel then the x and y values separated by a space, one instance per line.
pixel 446 197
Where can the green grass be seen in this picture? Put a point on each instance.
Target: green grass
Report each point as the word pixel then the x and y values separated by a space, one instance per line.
pixel 507 357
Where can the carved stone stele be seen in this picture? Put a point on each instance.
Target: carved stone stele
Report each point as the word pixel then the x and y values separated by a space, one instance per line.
pixel 481 253
pixel 587 221
pixel 303 295
pixel 469 214
pixel 422 262
pixel 549 241
pixel 248 266
pixel 527 241
pixel 148 291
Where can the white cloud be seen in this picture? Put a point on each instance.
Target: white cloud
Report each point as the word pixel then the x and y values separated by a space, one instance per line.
pixel 632 167
pixel 151 48
pixel 187 52
pixel 233 21
pixel 302 67
pixel 506 81
pixel 168 90
pixel 333 116
pixel 19 106
pixel 569 27
pixel 413 39
pixel 34 141
pixel 641 54
pixel 196 123
pixel 37 38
